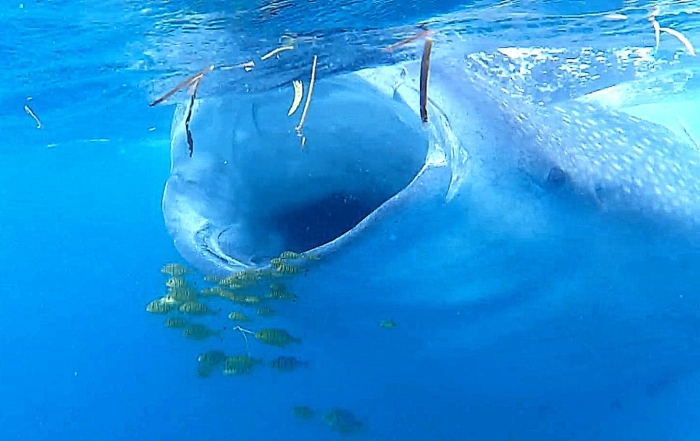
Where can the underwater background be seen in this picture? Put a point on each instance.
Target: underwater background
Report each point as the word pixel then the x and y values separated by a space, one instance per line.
pixel 83 239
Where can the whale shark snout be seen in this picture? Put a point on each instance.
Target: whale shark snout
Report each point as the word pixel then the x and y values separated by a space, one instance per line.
pixel 558 239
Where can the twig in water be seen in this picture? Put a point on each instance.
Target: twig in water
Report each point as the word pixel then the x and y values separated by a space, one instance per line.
pixel 298 94
pixel 424 73
pixel 31 113
pixel 276 51
pixel 247 66
pixel 308 101
pixel 680 38
pixel 408 40
pixel 187 82
pixel 243 332
pixel 687 132
pixel 190 141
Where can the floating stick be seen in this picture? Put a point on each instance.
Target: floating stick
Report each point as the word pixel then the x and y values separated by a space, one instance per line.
pixel 190 142
pixel 615 17
pixel 424 73
pixel 408 40
pixel 308 100
pixel 680 38
pixel 276 51
pixel 31 113
pixel 687 132
pixel 298 93
pixel 247 66
pixel 187 82
pixel 243 332
pixel 657 32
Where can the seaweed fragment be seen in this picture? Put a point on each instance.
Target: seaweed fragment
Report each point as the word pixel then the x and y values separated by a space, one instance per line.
pixel 424 71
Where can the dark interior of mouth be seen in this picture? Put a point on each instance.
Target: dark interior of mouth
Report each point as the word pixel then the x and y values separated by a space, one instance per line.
pixel 361 149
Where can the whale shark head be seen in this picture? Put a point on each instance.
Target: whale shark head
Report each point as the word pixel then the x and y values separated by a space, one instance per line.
pixel 252 189
pixel 554 238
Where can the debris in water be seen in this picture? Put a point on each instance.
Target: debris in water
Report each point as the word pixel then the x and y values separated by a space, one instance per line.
pixel 615 17
pixel 687 132
pixel 31 113
pixel 191 80
pixel 408 40
pixel 248 66
pixel 424 71
pixel 190 141
pixel 276 51
pixel 298 94
pixel 680 38
pixel 308 101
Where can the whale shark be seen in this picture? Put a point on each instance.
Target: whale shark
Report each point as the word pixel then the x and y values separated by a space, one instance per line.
pixel 544 252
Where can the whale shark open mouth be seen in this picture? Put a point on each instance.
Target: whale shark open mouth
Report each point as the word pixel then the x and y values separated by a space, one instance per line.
pixel 252 189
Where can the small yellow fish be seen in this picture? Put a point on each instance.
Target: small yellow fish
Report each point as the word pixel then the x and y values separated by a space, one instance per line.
pixel 181 294
pixel 239 365
pixel 251 300
pixel 160 306
pixel 247 276
pixel 287 364
pixel 280 295
pixel 212 358
pixel 387 324
pixel 303 412
pixel 176 322
pixel 285 268
pixel 199 332
pixel 195 308
pixel 231 282
pixel 238 317
pixel 265 312
pixel 215 291
pixel 175 282
pixel 276 337
pixel 290 255
pixel 343 421
pixel 174 269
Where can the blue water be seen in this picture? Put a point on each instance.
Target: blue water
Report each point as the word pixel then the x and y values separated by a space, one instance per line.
pixel 82 231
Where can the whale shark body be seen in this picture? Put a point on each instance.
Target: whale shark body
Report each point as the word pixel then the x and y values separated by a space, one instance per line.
pixel 529 254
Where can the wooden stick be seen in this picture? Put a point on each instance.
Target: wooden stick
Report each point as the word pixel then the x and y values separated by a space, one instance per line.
pixel 407 41
pixel 187 82
pixel 424 73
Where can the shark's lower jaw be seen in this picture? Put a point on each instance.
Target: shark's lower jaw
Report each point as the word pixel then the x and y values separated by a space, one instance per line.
pixel 255 186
